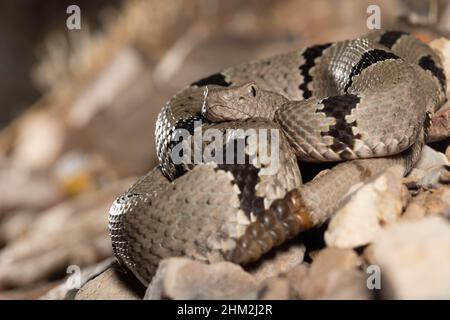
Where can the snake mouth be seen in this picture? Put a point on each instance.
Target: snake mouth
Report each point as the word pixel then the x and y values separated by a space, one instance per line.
pixel 215 112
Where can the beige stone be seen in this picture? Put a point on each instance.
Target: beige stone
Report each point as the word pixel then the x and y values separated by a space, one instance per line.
pixel 414 258
pixel 182 278
pixel 430 202
pixel 112 284
pixel 282 259
pixel 360 219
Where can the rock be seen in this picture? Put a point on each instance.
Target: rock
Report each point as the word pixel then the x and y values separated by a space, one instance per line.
pixel 112 284
pixel 71 284
pixel 40 140
pixel 442 47
pixel 430 158
pixel 284 286
pixel 60 292
pixel 182 278
pixel 430 171
pixel 15 225
pixel 22 191
pixel 368 254
pixel 30 293
pixel 74 232
pixel 330 259
pixel 440 125
pixel 276 288
pixel 339 285
pixel 296 278
pixel 406 196
pixel 334 275
pixel 430 202
pixel 414 258
pixel 435 177
pixel 377 202
pixel 447 153
pixel 447 215
pixel 312 254
pixel 280 260
pixel 413 176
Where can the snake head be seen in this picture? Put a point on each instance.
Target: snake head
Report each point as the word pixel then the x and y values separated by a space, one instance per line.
pixel 232 103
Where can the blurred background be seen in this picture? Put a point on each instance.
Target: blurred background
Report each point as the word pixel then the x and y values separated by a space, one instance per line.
pixel 78 107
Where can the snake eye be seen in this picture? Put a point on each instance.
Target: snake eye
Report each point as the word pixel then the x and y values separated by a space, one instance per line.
pixel 253 91
pixel 241 99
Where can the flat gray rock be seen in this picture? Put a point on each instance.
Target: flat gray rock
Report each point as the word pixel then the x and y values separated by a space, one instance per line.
pixel 182 278
pixel 414 259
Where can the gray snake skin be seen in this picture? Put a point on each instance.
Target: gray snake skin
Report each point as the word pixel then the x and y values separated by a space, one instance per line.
pixel 367 100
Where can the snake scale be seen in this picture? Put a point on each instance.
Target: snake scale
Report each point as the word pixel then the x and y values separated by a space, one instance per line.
pixel 366 100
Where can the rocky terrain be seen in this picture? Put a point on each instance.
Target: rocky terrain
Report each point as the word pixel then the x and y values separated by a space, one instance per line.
pixel 388 241
pixel 90 134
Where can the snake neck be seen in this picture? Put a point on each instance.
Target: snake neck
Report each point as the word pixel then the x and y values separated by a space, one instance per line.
pixel 268 103
pixel 412 155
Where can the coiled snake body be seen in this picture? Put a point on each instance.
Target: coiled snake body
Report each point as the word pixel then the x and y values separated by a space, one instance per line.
pixel 365 100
